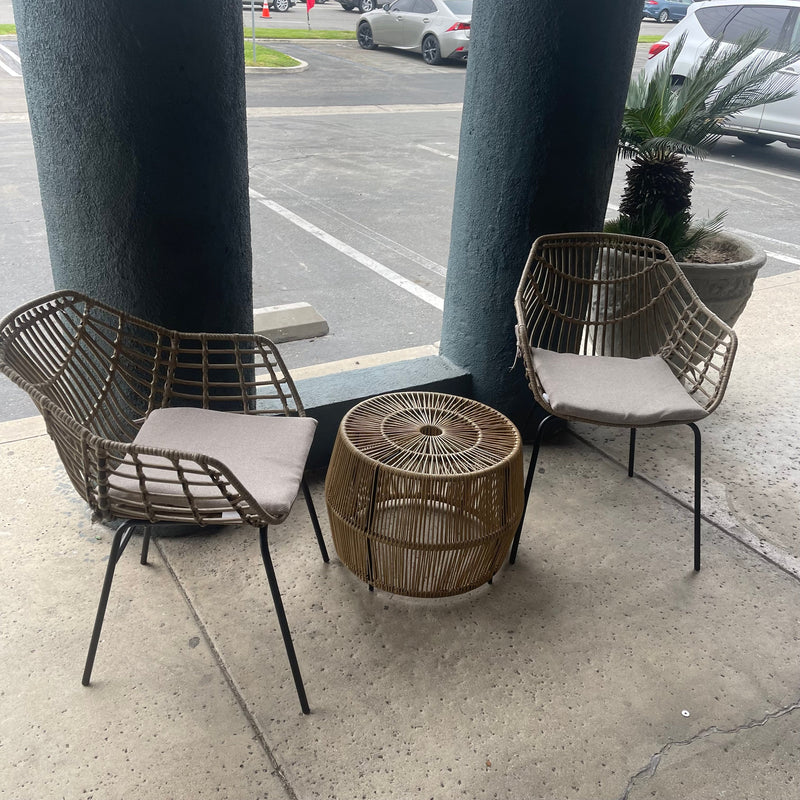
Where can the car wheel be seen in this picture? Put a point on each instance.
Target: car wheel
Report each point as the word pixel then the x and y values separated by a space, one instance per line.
pixel 281 5
pixel 759 141
pixel 364 36
pixel 663 16
pixel 346 6
pixel 431 51
pixel 366 5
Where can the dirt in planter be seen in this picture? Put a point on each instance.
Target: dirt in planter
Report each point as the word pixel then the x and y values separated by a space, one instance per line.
pixel 716 252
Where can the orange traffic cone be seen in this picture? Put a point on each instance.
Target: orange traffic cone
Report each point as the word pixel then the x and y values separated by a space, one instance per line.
pixel 265 10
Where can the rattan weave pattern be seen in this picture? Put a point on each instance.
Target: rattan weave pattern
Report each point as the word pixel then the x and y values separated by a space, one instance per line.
pixel 602 294
pixel 424 492
pixel 95 373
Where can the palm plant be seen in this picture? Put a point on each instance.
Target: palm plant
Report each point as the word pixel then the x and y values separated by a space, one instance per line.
pixel 664 122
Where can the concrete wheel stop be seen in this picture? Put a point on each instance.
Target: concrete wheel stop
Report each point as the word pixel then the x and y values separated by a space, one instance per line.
pixel 289 323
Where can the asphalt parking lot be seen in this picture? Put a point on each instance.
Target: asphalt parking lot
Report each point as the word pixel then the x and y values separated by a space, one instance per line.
pixel 352 172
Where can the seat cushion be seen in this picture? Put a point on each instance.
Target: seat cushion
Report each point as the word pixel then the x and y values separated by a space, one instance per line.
pixel 614 391
pixel 266 454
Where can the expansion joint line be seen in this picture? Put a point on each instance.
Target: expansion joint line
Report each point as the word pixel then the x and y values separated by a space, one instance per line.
pixel 223 668
pixel 753 541
pixel 650 770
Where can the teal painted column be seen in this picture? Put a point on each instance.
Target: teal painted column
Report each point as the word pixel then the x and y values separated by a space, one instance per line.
pixel 543 104
pixel 138 119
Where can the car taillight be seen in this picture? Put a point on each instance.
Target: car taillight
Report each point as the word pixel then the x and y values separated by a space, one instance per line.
pixel 651 3
pixel 459 26
pixel 656 48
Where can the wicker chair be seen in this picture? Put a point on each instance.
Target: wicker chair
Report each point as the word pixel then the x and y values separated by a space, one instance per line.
pixel 612 333
pixel 130 407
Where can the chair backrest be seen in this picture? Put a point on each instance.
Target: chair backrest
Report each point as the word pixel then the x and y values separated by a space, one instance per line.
pixel 96 372
pixel 107 369
pixel 612 295
pixel 96 365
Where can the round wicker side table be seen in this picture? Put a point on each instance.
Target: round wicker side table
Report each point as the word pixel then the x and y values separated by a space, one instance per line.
pixel 424 492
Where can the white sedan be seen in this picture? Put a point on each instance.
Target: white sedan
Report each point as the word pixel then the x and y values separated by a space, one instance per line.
pixel 439 29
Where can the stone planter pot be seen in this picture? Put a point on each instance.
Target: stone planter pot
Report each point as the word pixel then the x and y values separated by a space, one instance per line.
pixel 726 288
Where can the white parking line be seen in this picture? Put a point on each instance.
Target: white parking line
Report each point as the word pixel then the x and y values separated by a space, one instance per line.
pixel 365 260
pixel 5 66
pixel 437 152
pixel 326 111
pixel 355 224
pixel 777 256
pixel 11 53
pixel 753 169
pixel 781 257
pixel 763 238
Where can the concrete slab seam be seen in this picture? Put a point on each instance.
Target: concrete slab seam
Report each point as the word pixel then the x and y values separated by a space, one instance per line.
pixel 650 770
pixel 768 552
pixel 24 439
pixel 237 693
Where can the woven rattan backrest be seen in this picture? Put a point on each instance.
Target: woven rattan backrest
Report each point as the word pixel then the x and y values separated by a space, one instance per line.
pixel 107 370
pixel 601 294
pixel 96 372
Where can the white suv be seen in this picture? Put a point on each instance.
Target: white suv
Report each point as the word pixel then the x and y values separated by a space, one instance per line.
pixel 728 20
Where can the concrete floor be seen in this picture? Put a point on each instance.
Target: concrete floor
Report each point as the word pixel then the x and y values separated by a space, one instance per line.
pixel 599 666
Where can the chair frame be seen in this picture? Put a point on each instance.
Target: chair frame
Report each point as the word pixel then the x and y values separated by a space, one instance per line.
pixel 95 373
pixel 599 294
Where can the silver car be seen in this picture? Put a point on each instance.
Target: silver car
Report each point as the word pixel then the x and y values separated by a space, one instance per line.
pixel 728 20
pixel 438 29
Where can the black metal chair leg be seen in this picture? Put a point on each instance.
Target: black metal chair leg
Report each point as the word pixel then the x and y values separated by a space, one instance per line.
pixel 315 521
pixel 118 544
pixel 528 481
pixel 697 493
pixel 145 544
pixel 278 603
pixel 631 452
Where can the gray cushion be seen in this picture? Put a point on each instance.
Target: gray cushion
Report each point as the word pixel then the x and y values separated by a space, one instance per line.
pixel 266 454
pixel 614 391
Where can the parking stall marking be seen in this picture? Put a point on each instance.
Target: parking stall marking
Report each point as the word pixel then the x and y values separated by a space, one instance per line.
pixel 9 52
pixel 352 223
pixel 754 169
pixel 781 257
pixel 370 263
pixel 437 152
pixel 778 256
pixel 329 111
pixel 763 238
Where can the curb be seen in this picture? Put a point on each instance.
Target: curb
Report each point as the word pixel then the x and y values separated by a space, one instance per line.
pixel 301 67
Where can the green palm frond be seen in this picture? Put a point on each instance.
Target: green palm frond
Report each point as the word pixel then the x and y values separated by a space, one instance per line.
pixel 682 233
pixel 665 121
pixel 687 119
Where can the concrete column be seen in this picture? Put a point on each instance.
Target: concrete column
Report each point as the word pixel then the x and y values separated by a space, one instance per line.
pixel 546 86
pixel 138 119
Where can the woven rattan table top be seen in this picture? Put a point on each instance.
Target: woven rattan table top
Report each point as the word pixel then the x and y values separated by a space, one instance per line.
pixel 427 433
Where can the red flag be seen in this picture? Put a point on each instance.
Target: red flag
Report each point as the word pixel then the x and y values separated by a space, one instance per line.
pixel 309 4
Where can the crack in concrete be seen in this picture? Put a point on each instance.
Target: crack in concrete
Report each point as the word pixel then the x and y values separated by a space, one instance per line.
pixel 655 760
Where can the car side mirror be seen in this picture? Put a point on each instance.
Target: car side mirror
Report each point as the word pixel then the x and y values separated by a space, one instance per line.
pixel 385 6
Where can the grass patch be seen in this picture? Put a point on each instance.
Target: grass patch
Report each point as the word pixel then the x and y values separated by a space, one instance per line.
pixel 649 38
pixel 266 57
pixel 291 33
pixel 7 28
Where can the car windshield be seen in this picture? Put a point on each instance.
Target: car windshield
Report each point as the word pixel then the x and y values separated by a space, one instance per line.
pixel 461 8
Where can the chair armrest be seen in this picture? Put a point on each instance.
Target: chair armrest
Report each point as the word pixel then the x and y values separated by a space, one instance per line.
pixel 156 484
pixel 700 350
